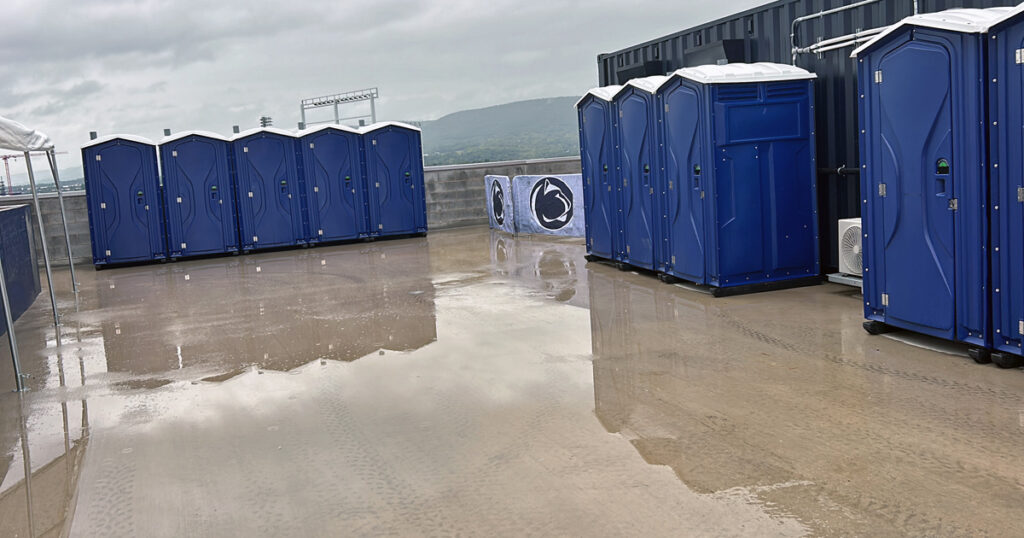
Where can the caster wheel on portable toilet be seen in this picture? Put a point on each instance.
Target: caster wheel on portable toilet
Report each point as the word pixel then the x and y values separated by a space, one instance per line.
pixel 980 355
pixel 876 327
pixel 621 266
pixel 1005 360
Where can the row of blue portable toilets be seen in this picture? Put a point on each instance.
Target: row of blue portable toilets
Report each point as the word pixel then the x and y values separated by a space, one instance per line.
pixel 707 176
pixel 263 188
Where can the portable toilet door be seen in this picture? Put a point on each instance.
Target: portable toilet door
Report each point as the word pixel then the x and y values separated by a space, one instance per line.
pixel 122 187
pixel 681 108
pixel 923 180
pixel 1006 175
pixel 636 137
pixel 761 201
pixel 598 159
pixel 335 189
pixel 269 189
pixel 394 179
pixel 198 194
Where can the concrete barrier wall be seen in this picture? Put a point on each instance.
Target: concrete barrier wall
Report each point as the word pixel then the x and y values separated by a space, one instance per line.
pixel 455 197
pixel 78 226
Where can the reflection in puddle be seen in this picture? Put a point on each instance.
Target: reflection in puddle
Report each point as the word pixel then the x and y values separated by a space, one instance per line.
pixel 490 372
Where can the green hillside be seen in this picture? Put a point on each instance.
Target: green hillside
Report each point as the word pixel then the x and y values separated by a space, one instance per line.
pixel 532 129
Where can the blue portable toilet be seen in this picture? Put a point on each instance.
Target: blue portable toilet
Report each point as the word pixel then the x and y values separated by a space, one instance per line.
pixel 394 179
pixel 335 189
pixel 636 134
pixel 598 156
pixel 122 187
pixel 737 176
pixel 923 176
pixel 198 194
pixel 1006 175
pixel 269 188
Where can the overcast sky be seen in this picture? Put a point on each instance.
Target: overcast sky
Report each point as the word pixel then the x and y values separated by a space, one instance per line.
pixel 72 66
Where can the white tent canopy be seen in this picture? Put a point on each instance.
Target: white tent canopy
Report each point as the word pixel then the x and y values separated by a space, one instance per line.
pixel 16 137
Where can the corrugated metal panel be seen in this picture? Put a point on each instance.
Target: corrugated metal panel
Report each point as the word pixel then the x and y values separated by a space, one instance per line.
pixel 762 34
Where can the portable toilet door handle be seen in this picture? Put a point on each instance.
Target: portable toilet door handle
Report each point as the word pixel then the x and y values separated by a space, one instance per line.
pixel 941 175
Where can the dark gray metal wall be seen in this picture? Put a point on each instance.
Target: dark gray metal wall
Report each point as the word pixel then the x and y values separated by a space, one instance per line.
pixel 762 35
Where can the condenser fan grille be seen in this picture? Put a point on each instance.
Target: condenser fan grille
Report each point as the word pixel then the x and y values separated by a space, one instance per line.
pixel 850 249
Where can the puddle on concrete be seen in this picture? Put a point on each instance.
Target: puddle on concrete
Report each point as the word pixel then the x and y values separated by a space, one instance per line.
pixel 471 382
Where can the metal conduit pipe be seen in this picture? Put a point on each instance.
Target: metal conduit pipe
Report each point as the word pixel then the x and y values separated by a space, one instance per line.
pixel 796 22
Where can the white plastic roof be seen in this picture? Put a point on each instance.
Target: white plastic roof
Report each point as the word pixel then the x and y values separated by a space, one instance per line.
pixel 382 124
pixel 128 137
pixel 968 21
pixel 334 126
pixel 250 132
pixel 604 93
pixel 647 84
pixel 16 137
pixel 742 72
pixel 183 134
pixel 1013 12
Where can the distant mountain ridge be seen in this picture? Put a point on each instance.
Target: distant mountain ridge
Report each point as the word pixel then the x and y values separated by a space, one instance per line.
pixel 533 129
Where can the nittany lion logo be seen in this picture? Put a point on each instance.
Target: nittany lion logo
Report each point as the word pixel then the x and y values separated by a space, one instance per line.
pixel 551 202
pixel 498 203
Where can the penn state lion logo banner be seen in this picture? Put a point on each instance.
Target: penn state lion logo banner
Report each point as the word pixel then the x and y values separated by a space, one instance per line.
pixel 551 205
pixel 500 208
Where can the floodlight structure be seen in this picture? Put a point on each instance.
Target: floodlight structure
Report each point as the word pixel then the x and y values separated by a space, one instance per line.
pixel 338 100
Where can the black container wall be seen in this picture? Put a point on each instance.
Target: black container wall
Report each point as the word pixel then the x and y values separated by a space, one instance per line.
pixel 762 34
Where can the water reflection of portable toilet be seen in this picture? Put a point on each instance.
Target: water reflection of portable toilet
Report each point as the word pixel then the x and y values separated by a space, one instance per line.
pixel 736 177
pixel 394 175
pixel 122 187
pixel 334 184
pixel 198 194
pixel 924 177
pixel 598 160
pixel 269 189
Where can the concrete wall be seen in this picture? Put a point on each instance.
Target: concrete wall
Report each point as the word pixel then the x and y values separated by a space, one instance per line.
pixel 455 197
pixel 78 226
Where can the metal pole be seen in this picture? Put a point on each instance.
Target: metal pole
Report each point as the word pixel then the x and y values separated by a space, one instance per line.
pixel 337 120
pixel 373 110
pixel 52 157
pixel 42 237
pixel 19 383
pixel 27 461
pixel 302 113
pixel 792 28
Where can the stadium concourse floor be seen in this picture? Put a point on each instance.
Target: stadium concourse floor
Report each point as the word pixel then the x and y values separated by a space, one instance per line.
pixel 470 383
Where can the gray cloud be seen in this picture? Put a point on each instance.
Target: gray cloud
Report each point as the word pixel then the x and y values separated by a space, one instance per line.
pixel 140 66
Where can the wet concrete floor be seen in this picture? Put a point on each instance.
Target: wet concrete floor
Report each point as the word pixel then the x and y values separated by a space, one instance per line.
pixel 470 383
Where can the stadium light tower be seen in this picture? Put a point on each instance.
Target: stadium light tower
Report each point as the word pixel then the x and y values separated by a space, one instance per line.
pixel 340 99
